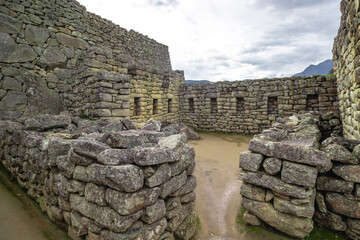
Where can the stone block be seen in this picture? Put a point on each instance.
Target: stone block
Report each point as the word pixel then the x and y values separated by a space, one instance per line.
pixel 272 166
pixel 253 192
pixel 299 174
pixel 330 184
pixel 350 173
pixel 340 204
pixel 250 161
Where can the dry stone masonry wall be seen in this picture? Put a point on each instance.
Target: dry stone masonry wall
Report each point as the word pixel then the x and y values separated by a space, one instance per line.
pixel 293 176
pixel 56 56
pixel 250 106
pixel 105 180
pixel 346 55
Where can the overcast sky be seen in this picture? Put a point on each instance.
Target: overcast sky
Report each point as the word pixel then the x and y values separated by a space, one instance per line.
pixel 232 39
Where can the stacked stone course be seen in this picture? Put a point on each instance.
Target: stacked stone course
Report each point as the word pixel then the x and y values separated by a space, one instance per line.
pixel 293 176
pixel 250 106
pixel 105 180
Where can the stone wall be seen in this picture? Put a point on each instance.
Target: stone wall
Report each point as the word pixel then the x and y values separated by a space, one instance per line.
pixel 346 56
pixel 292 177
pixel 105 180
pixel 249 106
pixel 55 56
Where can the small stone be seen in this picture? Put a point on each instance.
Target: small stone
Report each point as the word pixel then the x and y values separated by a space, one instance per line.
pixel 154 212
pixel 342 205
pixel 354 225
pixel 330 220
pixel 116 156
pixel 52 58
pixel 253 192
pixel 320 202
pixel 269 195
pixel 299 174
pixel 173 184
pixel 340 154
pixel 187 228
pixel 161 175
pixel 154 156
pixel 125 139
pixel 272 166
pixel 250 161
pixel 152 125
pixel 251 219
pixel 90 149
pixel 95 194
pixel 350 173
pixel 330 184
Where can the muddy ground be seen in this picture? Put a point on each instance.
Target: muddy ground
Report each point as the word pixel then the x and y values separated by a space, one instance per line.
pixel 20 219
pixel 218 191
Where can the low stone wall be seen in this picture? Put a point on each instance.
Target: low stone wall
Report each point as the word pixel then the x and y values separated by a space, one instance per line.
pixel 250 106
pixel 105 180
pixel 290 179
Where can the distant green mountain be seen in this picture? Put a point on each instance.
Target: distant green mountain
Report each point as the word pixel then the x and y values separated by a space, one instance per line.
pixel 322 68
pixel 197 81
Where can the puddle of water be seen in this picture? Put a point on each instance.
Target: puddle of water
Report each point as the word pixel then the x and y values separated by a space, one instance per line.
pixel 217 193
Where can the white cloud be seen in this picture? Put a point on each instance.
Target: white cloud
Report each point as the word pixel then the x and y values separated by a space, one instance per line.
pixel 232 39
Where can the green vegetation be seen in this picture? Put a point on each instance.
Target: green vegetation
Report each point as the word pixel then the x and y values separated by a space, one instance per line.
pixel 324 234
pixel 329 75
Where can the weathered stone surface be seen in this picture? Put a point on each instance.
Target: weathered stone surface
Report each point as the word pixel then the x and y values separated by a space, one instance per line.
pixel 52 58
pixel 77 225
pixel 172 203
pixel 356 151
pixel 36 35
pixel 167 236
pixel 272 166
pixel 154 156
pixel 172 142
pixel 128 203
pixel 320 202
pixel 276 185
pixel 41 99
pixel 80 173
pixel 57 147
pixel 189 186
pixel 71 41
pixel 171 129
pixel 153 231
pixel 354 225
pixel 173 184
pixel 14 101
pixel 349 173
pixel 9 24
pixel 250 161
pixel 184 211
pixel 298 174
pixel 125 139
pixel 251 219
pixel 269 195
pixel 351 235
pixel 66 166
pixel 45 122
pixel 293 152
pixel 161 175
pixel 342 205
pixel 330 184
pixel 253 192
pixel 152 125
pixel 339 153
pixel 7 45
pixel 95 194
pixel 291 225
pixel 349 144
pixel 187 228
pixel 190 133
pixel 152 137
pixel 135 230
pixel 90 149
pixel 116 156
pixel 127 178
pixel 154 212
pixel 187 156
pixel 104 216
pixel 330 220
pixel 189 197
pixel 303 210
pixel 79 159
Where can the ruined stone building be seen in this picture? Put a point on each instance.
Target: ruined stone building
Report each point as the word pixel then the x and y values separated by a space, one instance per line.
pixel 55 57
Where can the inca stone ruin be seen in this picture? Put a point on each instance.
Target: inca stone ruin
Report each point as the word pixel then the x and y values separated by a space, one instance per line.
pixel 74 87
